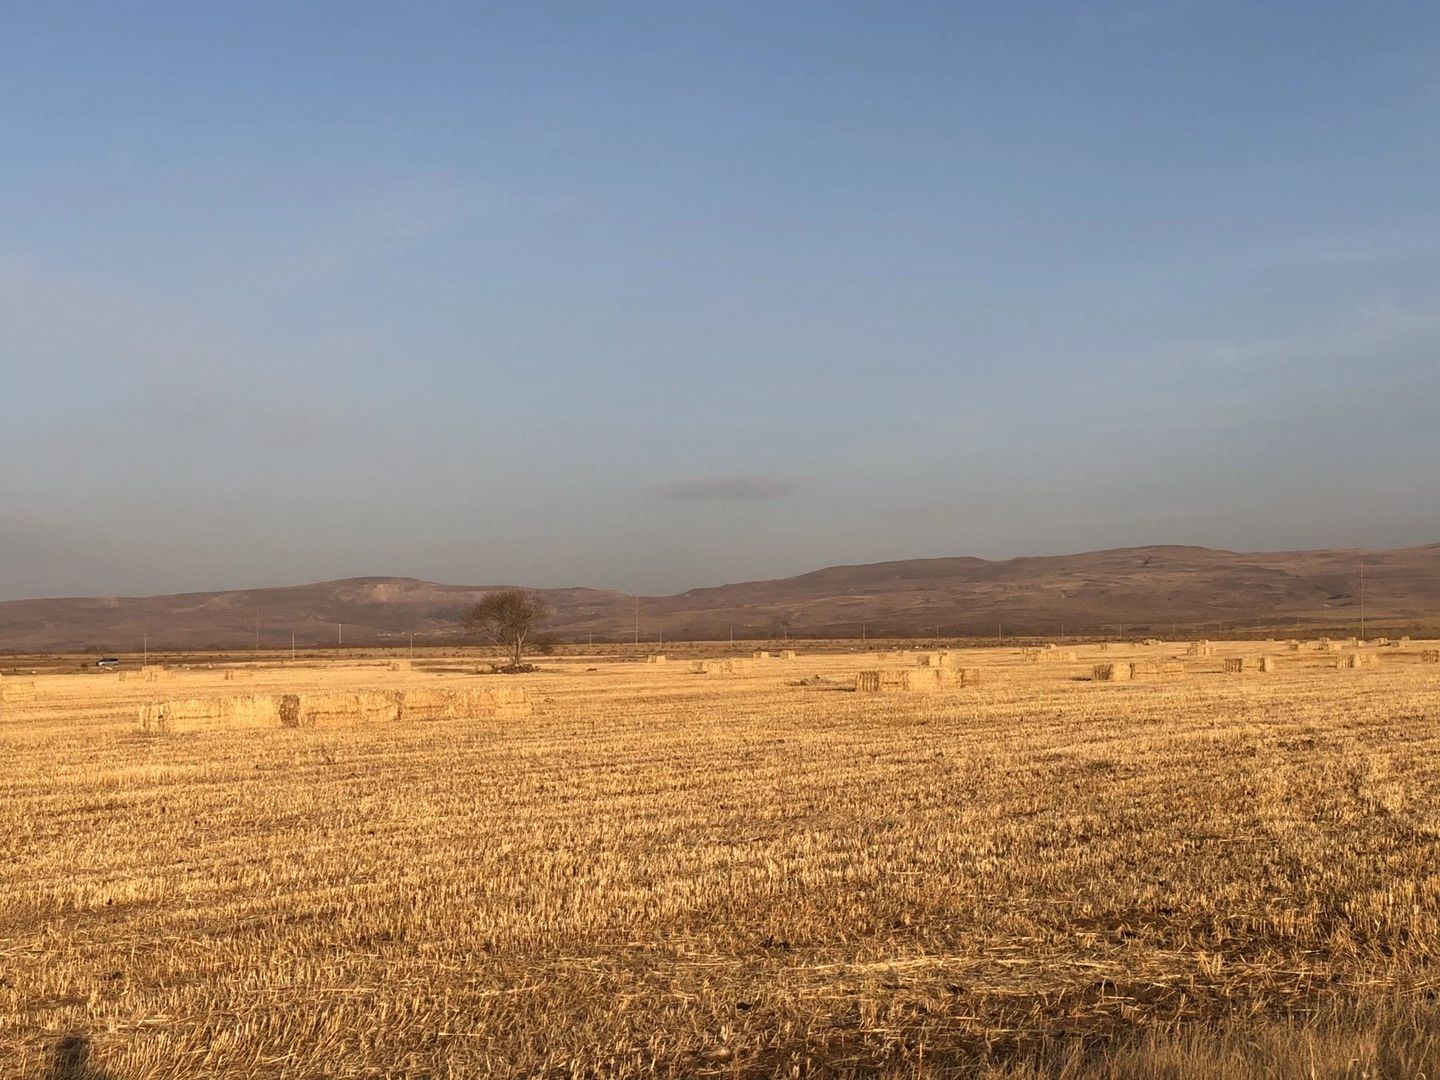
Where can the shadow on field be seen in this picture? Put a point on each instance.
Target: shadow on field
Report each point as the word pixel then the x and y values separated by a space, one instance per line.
pixel 72 1061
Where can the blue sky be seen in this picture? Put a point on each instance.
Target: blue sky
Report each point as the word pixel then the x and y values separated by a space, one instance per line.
pixel 655 296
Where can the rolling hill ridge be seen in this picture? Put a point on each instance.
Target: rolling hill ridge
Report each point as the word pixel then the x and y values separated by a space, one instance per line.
pixel 1161 590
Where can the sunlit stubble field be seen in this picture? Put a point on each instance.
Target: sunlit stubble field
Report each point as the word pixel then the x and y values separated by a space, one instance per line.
pixel 660 872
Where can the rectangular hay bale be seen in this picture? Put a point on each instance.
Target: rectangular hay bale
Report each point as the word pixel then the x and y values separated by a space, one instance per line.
pixel 182 715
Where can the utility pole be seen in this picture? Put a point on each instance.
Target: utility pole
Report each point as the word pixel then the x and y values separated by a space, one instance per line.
pixel 412 644
pixel 292 643
pixel 145 647
pixel 257 631
pixel 339 634
pixel 862 633
pixel 637 620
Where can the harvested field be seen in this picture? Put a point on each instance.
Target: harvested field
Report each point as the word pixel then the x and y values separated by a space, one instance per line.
pixel 655 874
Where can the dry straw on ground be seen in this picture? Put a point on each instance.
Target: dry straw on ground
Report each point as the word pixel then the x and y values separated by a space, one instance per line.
pixel 1041 877
pixel 147 673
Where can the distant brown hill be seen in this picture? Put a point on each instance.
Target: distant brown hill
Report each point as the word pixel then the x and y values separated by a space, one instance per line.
pixel 1158 590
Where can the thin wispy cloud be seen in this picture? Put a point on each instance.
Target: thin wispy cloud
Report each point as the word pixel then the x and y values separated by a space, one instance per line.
pixel 758 487
pixel 1369 334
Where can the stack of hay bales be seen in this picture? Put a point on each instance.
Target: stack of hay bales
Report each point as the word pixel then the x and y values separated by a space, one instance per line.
pixel 907 680
pixel 341 709
pixel 1234 665
pixel 1170 669
pixel 1266 664
pixel 1329 646
pixel 1430 656
pixel 1111 673
pixel 1062 656
pixel 499 700
pixel 200 714
pixel 1294 646
pixel 400 665
pixel 231 676
pixel 721 667
pixel 1145 669
pixel 15 691
pixel 787 654
pixel 760 654
pixel 656 658
pixel 1200 648
pixel 1153 641
pixel 1358 660
pixel 931 659
pixel 344 709
pixel 877 682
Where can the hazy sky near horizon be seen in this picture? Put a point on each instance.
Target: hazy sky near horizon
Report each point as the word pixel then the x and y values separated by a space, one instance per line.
pixel 651 296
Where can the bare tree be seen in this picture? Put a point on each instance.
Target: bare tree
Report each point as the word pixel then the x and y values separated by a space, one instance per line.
pixel 508 618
